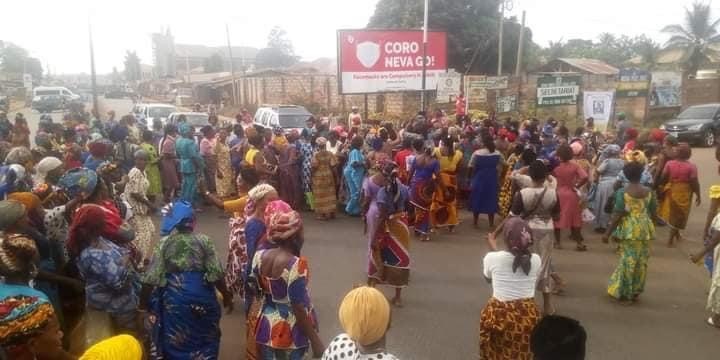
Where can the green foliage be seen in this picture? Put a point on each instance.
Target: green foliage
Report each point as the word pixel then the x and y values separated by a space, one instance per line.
pixel 133 71
pixel 612 49
pixel 14 60
pixel 279 52
pixel 213 64
pixel 696 37
pixel 472 30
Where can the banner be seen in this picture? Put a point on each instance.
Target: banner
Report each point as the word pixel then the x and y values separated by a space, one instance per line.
pixel 505 104
pixel 599 106
pixel 633 83
pixel 476 86
pixel 665 89
pixel 448 85
pixel 555 90
pixel 374 61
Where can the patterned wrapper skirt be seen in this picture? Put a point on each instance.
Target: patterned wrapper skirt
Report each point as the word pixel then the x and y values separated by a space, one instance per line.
pixel 505 328
pixel 675 205
pixel 390 259
pixel 443 211
pixel 713 303
pixel 421 193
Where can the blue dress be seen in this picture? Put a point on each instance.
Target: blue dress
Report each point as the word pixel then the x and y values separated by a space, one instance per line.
pixel 187 150
pixel 484 186
pixel 354 178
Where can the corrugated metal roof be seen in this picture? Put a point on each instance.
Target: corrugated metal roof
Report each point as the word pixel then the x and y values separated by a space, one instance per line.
pixel 592 66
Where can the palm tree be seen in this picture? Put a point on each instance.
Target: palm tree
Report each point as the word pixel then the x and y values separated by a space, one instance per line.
pixel 649 52
pixel 697 37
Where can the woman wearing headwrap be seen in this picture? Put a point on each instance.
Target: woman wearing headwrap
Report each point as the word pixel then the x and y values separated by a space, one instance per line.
pixel 509 317
pixel 191 164
pixel 224 179
pixel 354 173
pixel 111 283
pixel 608 171
pixel 120 347
pixel 169 163
pixel 72 152
pixel 152 170
pixel 135 194
pixel 443 210
pixel 324 165
pixel 630 139
pixel 632 226
pixel 287 325
pixel 29 328
pixel 387 230
pixel 364 316
pixel 184 314
pixel 47 174
pixel 289 179
pixel 678 183
pixel 124 149
pixel 21 156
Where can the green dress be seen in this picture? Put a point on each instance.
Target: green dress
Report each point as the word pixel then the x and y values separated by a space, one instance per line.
pixel 634 232
pixel 152 170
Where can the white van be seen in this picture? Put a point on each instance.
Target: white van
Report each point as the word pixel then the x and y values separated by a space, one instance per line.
pixel 61 91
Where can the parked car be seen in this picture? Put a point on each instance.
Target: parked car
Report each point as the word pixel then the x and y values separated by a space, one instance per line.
pixel 48 103
pixel 61 93
pixel 195 119
pixel 150 112
pixel 697 124
pixel 288 117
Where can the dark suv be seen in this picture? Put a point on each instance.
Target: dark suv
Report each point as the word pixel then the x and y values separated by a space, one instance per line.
pixel 697 124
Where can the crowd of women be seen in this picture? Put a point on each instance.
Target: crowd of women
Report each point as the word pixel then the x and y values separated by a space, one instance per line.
pixel 79 250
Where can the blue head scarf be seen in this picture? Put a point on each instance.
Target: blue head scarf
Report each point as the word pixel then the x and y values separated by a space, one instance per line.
pixel 79 180
pixel 184 129
pixel 176 214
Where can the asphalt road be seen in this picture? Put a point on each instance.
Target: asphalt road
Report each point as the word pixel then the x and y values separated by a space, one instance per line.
pixel 447 290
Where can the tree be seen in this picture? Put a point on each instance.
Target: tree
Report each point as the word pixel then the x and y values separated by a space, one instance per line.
pixel 471 26
pixel 696 38
pixel 133 71
pixel 279 52
pixel 648 52
pixel 214 63
pixel 14 60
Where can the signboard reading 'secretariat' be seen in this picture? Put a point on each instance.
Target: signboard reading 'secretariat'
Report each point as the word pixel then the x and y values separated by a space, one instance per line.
pixel 375 61
pixel 554 90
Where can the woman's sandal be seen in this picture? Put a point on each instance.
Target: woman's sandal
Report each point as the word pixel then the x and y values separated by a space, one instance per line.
pixel 712 323
pixel 581 247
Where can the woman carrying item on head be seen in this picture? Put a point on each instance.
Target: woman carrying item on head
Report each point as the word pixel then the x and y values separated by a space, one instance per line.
pixel 169 163
pixel 387 230
pixel 632 226
pixel 538 204
pixel 608 171
pixel 287 325
pixel 678 183
pixel 570 177
pixel 364 316
pixel 136 194
pixel 29 327
pixel 224 179
pixel 354 174
pixel 191 164
pixel 152 170
pixel 324 168
pixel 183 277
pixel 111 283
pixel 485 167
pixel 443 210
pixel 424 170
pixel 509 317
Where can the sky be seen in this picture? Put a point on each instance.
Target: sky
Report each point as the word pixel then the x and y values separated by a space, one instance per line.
pixel 57 31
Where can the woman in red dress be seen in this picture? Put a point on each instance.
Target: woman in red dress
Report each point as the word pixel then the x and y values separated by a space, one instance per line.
pixel 570 176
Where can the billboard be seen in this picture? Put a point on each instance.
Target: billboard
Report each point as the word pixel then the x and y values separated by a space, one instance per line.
pixel 506 104
pixel 633 83
pixel 374 61
pixel 665 89
pixel 555 90
pixel 476 86
pixel 448 85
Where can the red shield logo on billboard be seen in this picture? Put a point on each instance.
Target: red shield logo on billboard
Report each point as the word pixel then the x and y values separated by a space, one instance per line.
pixel 368 53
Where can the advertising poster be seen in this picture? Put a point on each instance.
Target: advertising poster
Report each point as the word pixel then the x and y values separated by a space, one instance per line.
pixel 376 61
pixel 665 89
pixel 476 86
pixel 599 106
pixel 505 104
pixel 633 83
pixel 553 90
pixel 448 85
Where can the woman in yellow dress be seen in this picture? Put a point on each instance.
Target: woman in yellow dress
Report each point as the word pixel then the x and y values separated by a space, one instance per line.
pixel 678 183
pixel 443 210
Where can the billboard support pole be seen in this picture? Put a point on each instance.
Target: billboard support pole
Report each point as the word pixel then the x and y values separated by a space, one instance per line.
pixel 423 99
pixel 365 108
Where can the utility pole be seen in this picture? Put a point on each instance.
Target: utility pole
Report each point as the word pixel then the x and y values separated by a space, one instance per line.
pixel 424 60
pixel 500 37
pixel 521 45
pixel 187 67
pixel 232 69
pixel 93 79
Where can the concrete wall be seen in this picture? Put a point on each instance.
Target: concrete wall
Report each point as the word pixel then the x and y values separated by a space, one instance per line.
pixel 696 92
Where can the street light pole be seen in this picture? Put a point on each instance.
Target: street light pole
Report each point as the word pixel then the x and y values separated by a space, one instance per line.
pixel 500 37
pixel 93 79
pixel 424 58
pixel 232 69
